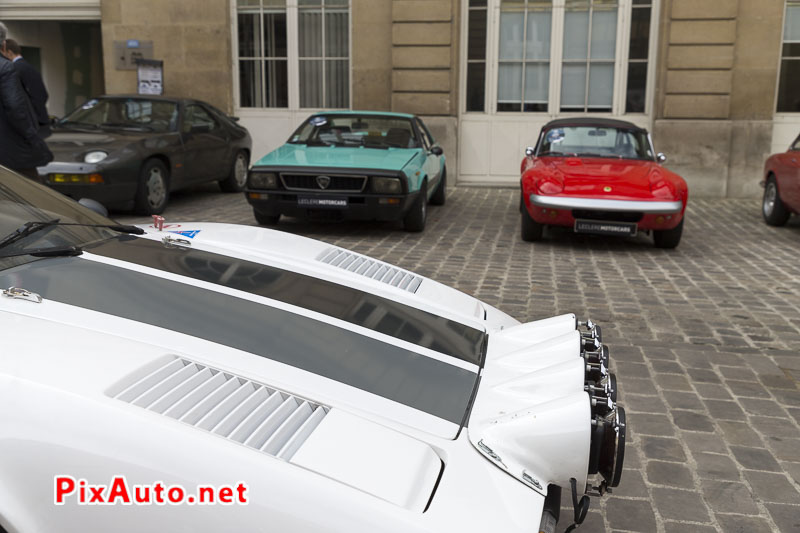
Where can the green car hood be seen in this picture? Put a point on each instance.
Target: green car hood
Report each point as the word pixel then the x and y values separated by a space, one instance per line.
pixel 300 155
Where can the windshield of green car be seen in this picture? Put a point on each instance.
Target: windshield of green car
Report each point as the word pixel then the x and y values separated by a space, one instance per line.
pixel 371 131
pixel 591 141
pixel 125 113
pixel 23 201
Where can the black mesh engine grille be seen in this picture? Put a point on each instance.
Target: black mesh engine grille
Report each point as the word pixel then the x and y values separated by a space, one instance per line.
pixel 307 182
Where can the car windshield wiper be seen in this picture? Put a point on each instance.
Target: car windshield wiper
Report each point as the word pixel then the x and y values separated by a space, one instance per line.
pixel 371 144
pixel 52 251
pixel 78 124
pixel 126 125
pixel 556 153
pixel 32 227
pixel 592 154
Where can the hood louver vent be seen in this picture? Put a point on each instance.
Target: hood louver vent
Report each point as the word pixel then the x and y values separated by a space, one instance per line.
pixel 371 268
pixel 263 418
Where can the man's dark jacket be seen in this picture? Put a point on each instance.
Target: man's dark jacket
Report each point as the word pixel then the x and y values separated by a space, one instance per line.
pixel 20 146
pixel 33 84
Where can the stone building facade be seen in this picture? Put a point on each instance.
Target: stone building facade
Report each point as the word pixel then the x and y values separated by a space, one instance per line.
pixel 717 82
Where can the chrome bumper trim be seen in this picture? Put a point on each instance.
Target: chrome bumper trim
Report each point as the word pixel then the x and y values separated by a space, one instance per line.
pixel 565 202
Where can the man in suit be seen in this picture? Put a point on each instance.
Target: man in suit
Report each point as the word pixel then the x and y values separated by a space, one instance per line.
pixel 21 148
pixel 33 84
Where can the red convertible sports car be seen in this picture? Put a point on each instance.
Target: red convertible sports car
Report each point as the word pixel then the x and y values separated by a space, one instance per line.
pixel 600 176
pixel 782 185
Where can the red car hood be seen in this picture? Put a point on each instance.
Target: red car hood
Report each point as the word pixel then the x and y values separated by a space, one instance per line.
pixel 594 176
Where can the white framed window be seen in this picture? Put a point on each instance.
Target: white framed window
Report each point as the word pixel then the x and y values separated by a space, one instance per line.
pixel 523 58
pixel 475 94
pixel 558 56
pixel 588 55
pixel 292 54
pixel 788 100
pixel 640 43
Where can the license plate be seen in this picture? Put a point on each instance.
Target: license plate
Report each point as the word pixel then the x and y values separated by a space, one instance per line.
pixel 331 202
pixel 601 227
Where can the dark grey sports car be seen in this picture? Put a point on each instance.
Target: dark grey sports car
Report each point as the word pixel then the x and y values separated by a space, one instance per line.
pixel 131 151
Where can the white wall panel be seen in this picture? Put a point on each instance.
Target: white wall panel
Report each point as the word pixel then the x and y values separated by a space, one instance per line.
pixel 784 130
pixel 474 138
pixel 269 129
pixel 49 10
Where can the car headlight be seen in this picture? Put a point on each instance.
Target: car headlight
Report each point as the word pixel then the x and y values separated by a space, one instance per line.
pixel 386 185
pixel 549 185
pixel 95 157
pixel 663 189
pixel 263 180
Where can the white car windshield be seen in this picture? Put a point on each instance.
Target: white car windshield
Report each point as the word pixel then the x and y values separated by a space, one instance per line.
pixel 591 141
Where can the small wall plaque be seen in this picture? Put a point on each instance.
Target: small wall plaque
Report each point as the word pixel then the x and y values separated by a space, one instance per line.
pixel 127 52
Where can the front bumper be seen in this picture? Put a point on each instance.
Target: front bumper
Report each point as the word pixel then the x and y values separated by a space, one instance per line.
pixel 359 206
pixel 600 204
pixel 117 191
pixel 565 210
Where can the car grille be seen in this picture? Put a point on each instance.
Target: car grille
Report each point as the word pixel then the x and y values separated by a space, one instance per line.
pixel 310 182
pixel 611 216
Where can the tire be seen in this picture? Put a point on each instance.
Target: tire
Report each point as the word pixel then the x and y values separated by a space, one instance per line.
pixel 237 176
pixel 152 194
pixel 532 231
pixel 668 238
pixel 264 219
pixel 772 208
pixel 414 221
pixel 439 197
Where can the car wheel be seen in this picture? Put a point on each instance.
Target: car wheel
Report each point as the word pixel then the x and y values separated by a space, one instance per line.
pixel 775 213
pixel 416 217
pixel 153 191
pixel 237 178
pixel 532 231
pixel 668 238
pixel 438 197
pixel 264 219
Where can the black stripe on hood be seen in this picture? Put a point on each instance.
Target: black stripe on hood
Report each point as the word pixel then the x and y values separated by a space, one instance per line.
pixel 407 377
pixel 339 301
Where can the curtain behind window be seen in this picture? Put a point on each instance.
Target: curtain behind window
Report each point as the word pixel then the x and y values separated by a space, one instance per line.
pixel 324 50
pixel 590 38
pixel 263 78
pixel 523 74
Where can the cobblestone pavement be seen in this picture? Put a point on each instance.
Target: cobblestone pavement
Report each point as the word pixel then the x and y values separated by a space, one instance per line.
pixel 705 341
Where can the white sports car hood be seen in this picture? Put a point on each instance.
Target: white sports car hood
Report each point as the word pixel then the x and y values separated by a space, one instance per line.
pixel 359 343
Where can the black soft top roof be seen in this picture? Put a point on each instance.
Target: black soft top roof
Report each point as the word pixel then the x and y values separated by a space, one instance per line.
pixel 593 122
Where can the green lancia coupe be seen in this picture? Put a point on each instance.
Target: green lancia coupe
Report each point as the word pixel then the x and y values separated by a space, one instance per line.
pixel 356 165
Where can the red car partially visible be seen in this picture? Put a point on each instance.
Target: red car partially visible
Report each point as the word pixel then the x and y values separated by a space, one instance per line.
pixel 782 185
pixel 600 176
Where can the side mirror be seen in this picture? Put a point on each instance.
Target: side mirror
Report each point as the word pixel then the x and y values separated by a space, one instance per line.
pixel 660 157
pixel 201 128
pixel 437 150
pixel 529 151
pixel 94 205
pixel 235 119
